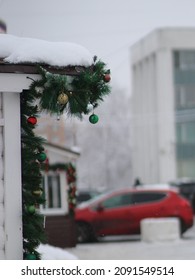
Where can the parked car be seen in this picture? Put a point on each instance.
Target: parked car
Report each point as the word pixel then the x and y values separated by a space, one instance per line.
pixel 120 212
pixel 186 187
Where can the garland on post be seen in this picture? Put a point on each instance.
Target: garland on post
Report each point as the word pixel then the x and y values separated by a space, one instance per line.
pixel 76 95
pixel 32 156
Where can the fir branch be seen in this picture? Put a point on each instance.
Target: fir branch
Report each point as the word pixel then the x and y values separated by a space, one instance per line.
pixel 87 87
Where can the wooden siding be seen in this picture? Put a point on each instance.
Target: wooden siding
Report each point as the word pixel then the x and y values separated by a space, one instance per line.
pixel 60 231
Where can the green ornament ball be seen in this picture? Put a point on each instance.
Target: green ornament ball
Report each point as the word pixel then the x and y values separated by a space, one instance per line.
pixel 31 209
pixel 41 157
pixel 93 118
pixel 30 257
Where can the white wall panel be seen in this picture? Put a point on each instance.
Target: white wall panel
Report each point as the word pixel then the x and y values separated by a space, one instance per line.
pixel 2 212
pixel 12 176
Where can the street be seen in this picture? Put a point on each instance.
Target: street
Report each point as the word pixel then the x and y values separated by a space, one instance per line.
pixel 132 248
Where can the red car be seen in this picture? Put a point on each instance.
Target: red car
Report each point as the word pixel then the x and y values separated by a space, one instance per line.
pixel 120 212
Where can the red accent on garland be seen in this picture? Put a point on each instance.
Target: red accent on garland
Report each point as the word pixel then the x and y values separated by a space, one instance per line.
pixel 32 120
pixel 107 78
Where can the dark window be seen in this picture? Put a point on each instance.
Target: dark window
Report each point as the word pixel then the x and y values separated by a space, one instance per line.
pixel 146 197
pixel 117 201
pixel 184 99
pixel 52 193
pixel 83 197
pixel 176 60
pixel 184 59
pixel 86 195
pixel 131 198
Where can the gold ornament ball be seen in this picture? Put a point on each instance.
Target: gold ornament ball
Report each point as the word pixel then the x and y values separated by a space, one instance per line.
pixel 38 192
pixel 62 98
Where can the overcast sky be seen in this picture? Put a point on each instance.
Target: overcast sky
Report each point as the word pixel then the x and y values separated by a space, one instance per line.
pixel 106 27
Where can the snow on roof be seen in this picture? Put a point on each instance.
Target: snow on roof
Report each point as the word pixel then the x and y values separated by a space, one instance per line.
pixel 17 50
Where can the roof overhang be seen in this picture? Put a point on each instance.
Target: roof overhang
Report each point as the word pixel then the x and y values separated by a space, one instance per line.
pixel 63 151
pixel 15 77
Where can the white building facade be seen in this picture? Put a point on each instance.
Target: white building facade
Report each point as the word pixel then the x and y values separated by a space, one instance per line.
pixel 163 105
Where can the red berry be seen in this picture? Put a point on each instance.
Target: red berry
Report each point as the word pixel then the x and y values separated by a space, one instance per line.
pixel 32 120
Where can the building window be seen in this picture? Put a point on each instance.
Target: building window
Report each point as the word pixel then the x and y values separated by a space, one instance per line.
pixel 186 132
pixel 55 192
pixel 184 60
pixel 52 191
pixel 184 82
pixel 185 96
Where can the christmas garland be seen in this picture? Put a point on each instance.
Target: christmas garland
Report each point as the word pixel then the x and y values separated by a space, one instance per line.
pixel 75 95
pixel 32 157
pixel 54 93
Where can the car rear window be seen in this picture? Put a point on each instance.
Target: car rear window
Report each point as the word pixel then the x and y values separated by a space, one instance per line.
pixel 146 197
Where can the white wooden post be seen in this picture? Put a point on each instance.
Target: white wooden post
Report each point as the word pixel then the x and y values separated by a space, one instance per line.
pixel 11 85
pixel 12 176
pixel 2 214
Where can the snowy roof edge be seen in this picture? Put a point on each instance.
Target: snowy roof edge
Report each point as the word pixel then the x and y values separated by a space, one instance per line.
pixel 19 50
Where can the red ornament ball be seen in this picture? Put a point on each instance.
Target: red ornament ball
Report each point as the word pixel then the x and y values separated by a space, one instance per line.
pixel 32 120
pixel 107 78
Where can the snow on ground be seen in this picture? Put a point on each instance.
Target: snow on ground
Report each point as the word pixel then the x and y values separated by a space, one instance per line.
pixel 54 253
pixel 127 248
pixel 29 50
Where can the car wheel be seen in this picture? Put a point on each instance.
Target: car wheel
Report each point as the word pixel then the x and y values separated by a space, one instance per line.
pixel 182 227
pixel 84 233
